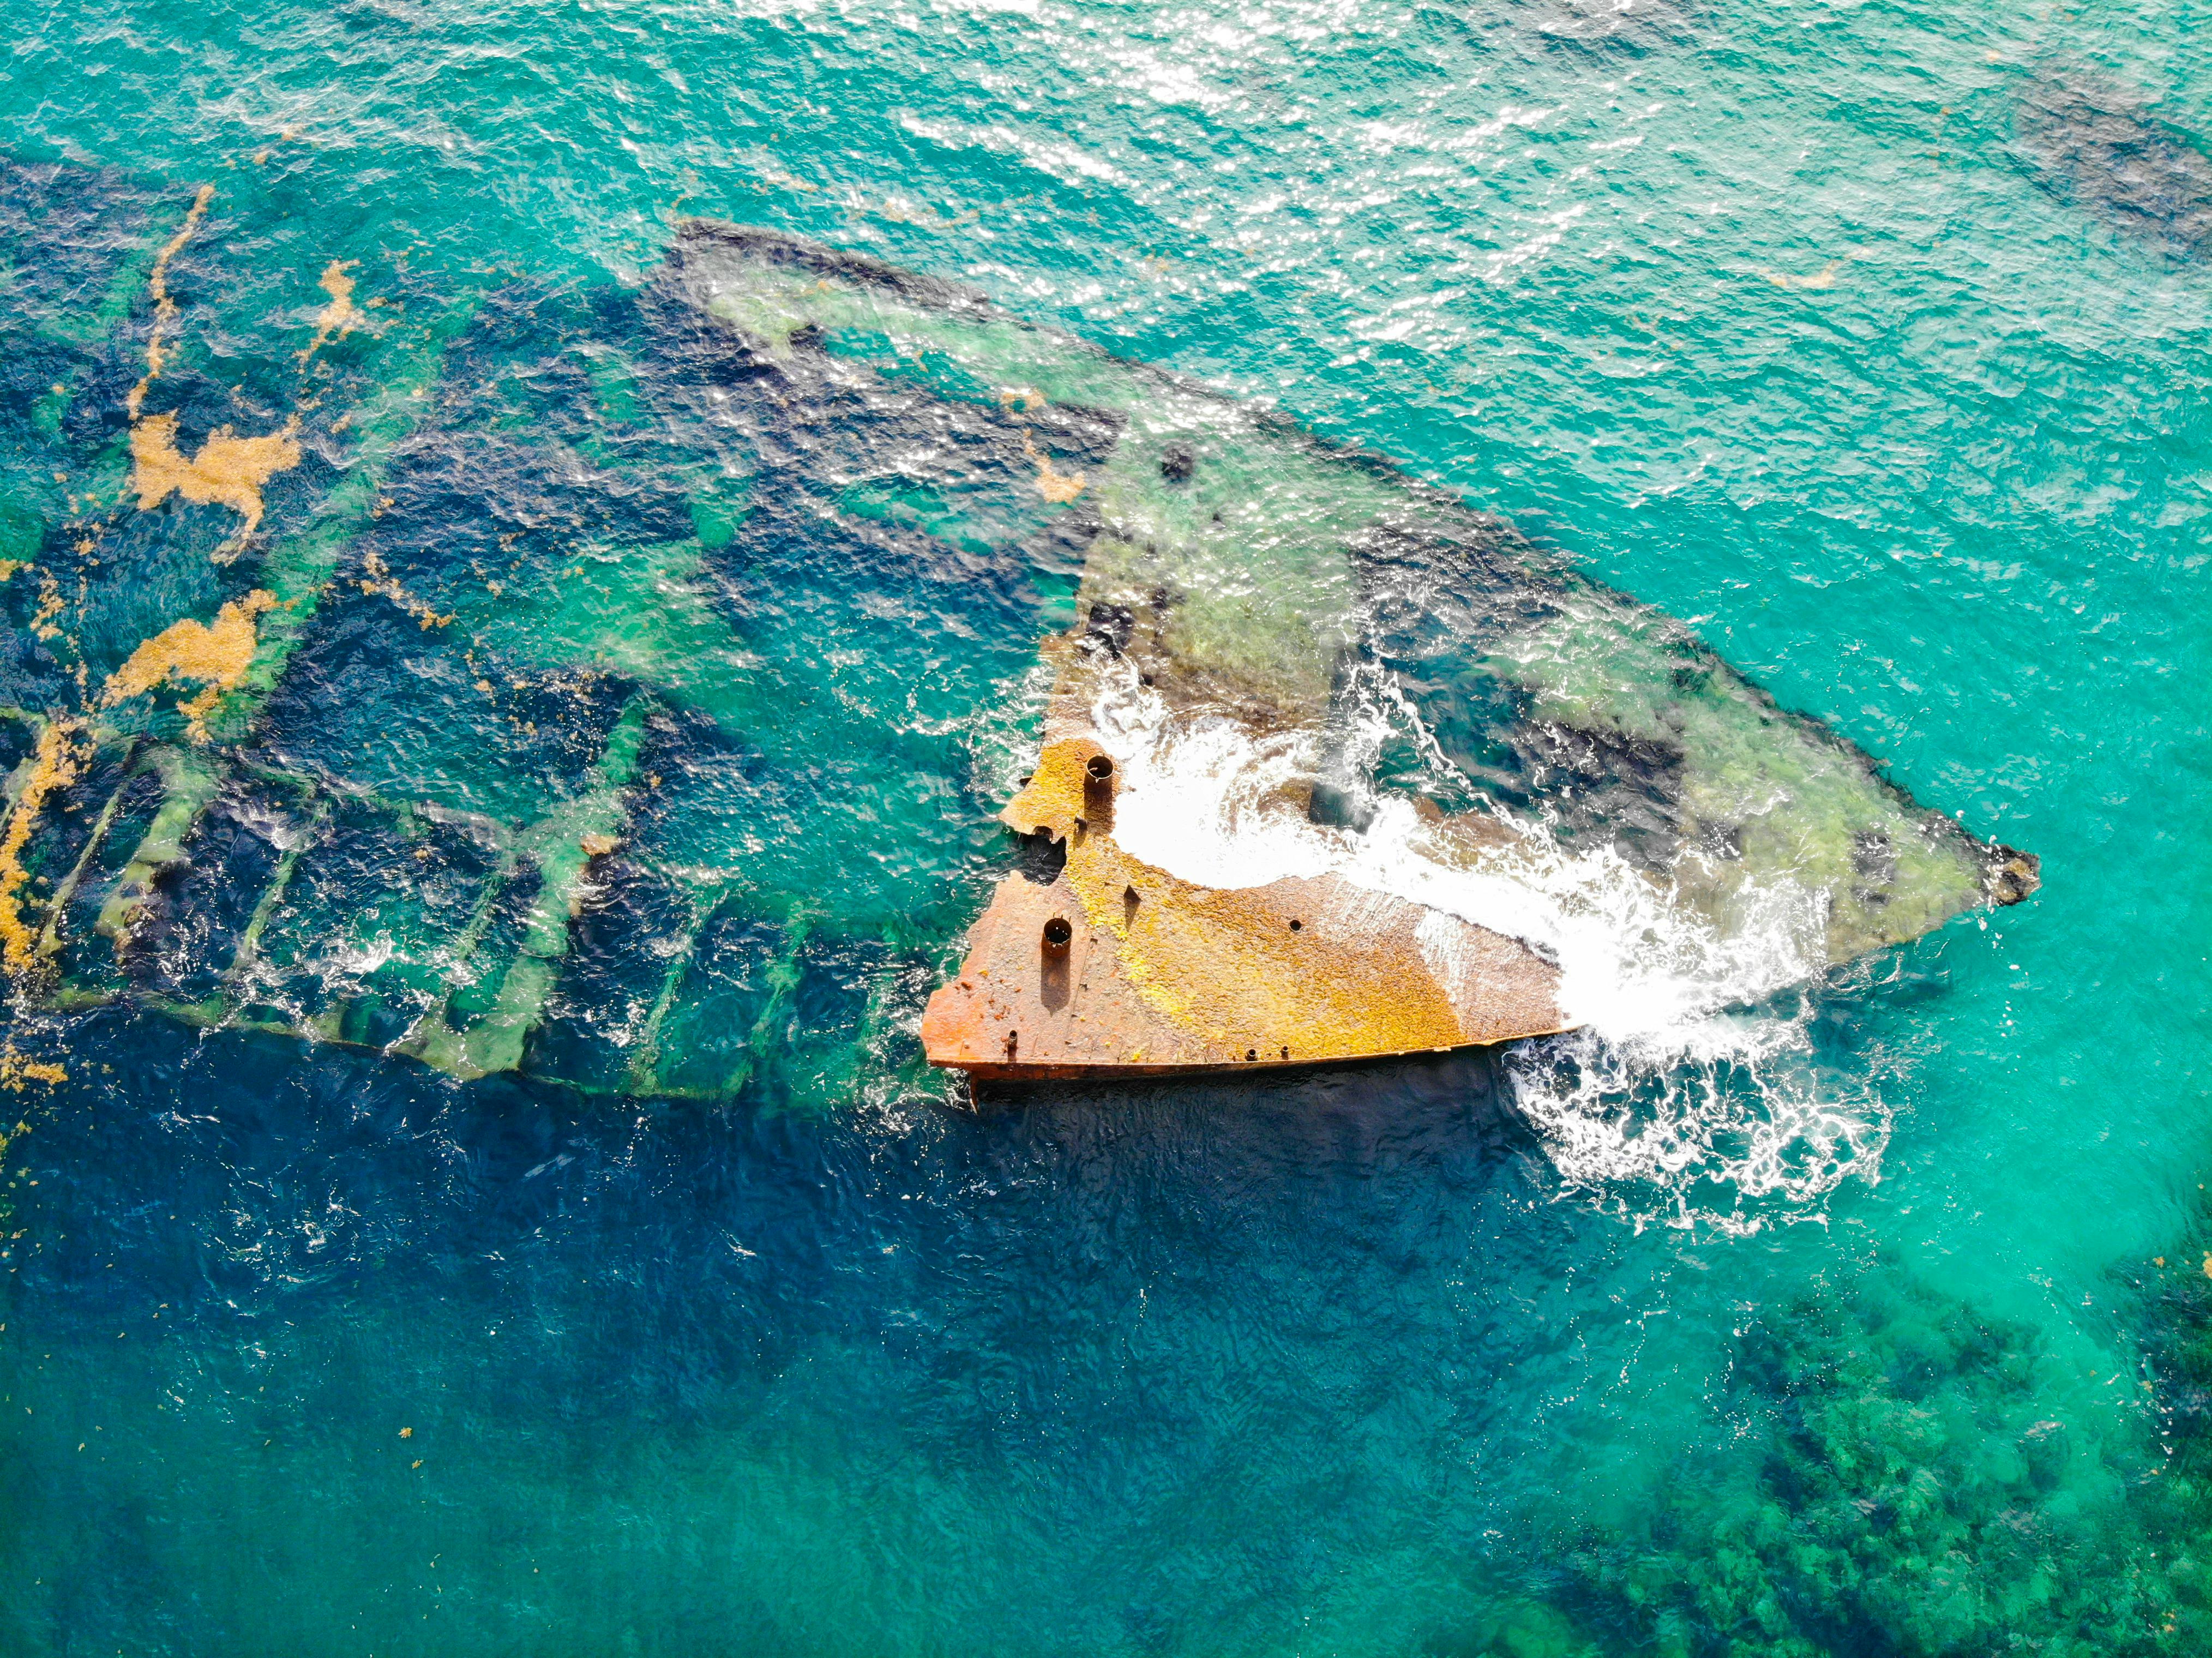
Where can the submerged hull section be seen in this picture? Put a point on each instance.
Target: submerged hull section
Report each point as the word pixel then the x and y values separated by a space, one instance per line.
pixel 1235 571
pixel 1383 649
pixel 614 686
pixel 536 679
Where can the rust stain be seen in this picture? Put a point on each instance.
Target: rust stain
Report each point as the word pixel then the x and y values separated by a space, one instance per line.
pixel 1116 967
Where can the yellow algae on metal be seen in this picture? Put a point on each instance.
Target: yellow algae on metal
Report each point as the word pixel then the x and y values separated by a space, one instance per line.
pixel 1117 966
pixel 230 471
pixel 341 316
pixel 218 654
pixel 165 308
pixel 52 767
pixel 1052 797
pixel 1228 967
pixel 1187 950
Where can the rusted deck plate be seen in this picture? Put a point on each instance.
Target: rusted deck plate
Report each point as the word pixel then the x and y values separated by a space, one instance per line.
pixel 1116 967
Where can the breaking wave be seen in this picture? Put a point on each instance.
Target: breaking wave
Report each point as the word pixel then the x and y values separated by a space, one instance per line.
pixel 1690 1092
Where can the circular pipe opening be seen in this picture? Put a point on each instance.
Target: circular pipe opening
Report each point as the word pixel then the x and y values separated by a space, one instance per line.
pixel 1057 933
pixel 1100 769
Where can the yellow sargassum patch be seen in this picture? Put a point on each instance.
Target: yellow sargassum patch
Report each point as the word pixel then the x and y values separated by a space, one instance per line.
pixel 230 471
pixel 165 308
pixel 53 767
pixel 215 653
pixel 1057 488
pixel 341 316
pixel 15 1071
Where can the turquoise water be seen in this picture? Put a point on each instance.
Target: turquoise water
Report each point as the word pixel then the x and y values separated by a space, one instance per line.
pixel 1871 341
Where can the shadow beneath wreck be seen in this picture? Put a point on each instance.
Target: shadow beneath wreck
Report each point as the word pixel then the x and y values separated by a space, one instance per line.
pixel 1354 1114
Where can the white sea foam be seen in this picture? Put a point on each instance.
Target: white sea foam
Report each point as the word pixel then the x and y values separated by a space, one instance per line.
pixel 1685 1095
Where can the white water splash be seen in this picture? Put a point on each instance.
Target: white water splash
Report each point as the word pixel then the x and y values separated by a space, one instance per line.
pixel 1685 1096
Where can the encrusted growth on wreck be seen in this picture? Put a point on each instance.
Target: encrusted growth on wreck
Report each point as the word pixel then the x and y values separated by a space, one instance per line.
pixel 1114 966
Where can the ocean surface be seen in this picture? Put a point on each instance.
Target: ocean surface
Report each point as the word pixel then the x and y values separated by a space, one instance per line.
pixel 1870 1315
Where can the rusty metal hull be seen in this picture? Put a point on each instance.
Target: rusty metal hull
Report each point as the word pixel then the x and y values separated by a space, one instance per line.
pixel 1113 967
pixel 1018 1076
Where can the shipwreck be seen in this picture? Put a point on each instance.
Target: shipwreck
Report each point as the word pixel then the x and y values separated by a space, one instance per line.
pixel 614 685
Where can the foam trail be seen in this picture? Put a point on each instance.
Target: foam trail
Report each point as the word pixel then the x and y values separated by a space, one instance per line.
pixel 1685 1097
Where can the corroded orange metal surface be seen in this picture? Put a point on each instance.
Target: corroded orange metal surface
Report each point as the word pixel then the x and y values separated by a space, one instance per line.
pixel 1114 966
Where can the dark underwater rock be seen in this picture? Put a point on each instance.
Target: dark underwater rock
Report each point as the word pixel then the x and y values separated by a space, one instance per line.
pixel 1633 26
pixel 1910 1495
pixel 2095 143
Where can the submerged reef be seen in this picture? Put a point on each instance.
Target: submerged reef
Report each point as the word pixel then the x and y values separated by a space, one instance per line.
pixel 2171 1298
pixel 2096 143
pixel 1891 1471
